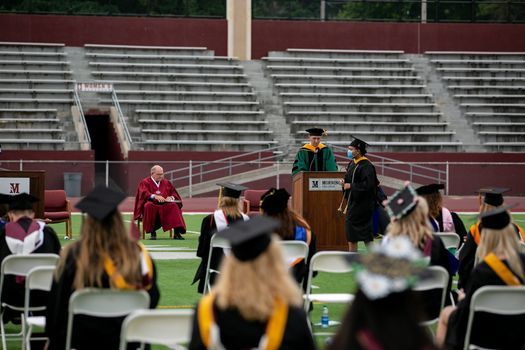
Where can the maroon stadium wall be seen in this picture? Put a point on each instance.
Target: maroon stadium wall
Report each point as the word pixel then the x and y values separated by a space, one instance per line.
pixel 267 35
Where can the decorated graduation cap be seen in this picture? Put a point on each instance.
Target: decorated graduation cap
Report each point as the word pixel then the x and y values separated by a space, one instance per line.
pixel 402 203
pixel 360 145
pixel 496 219
pixel 22 201
pixel 494 195
pixel 230 189
pixel 101 202
pixel 316 131
pixel 429 189
pixel 248 239
pixel 274 200
pixel 391 267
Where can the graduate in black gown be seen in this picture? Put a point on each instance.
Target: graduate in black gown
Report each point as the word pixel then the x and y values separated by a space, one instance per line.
pixel 385 314
pixel 227 213
pixel 500 264
pixel 105 256
pixel 255 299
pixel 274 203
pixel 442 219
pixel 409 215
pixel 23 234
pixel 490 199
pixel 360 184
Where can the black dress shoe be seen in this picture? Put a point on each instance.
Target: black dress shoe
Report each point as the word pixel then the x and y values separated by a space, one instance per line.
pixel 178 236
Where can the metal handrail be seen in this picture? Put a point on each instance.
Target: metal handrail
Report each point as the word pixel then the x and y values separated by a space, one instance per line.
pixel 121 116
pixel 82 117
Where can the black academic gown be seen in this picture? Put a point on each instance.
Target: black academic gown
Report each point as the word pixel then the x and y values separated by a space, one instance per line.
pixel 208 229
pixel 467 256
pixel 237 333
pixel 13 289
pixel 458 225
pixel 362 201
pixel 88 332
pixel 492 331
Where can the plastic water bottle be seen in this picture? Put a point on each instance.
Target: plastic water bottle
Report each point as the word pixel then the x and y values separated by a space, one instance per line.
pixel 325 319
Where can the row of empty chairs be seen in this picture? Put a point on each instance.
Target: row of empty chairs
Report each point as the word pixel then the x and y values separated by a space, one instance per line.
pixel 490 90
pixel 182 97
pixel 373 95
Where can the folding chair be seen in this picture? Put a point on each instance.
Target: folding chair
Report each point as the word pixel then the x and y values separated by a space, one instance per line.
pixel 439 281
pixel 215 242
pixel 39 278
pixel 450 240
pixel 331 262
pixel 294 251
pixel 498 300
pixel 20 265
pixel 164 327
pixel 103 303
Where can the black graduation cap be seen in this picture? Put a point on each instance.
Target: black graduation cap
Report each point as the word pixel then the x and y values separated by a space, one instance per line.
pixel 402 202
pixel 230 189
pixel 101 202
pixel 22 201
pixel 429 189
pixel 316 131
pixel 494 195
pixel 496 219
pixel 274 200
pixel 360 145
pixel 250 238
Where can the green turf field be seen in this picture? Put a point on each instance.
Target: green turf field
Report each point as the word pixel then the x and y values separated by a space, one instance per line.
pixel 175 276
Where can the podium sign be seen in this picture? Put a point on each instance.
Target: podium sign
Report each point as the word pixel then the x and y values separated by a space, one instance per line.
pixel 316 196
pixel 33 182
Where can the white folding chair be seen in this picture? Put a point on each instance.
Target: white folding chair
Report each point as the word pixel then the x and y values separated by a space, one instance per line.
pixel 39 278
pixel 164 327
pixel 215 242
pixel 450 240
pixel 438 281
pixel 103 303
pixel 498 300
pixel 293 251
pixel 331 262
pixel 20 265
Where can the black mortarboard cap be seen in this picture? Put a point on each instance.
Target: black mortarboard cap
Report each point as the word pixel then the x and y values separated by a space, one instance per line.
pixel 316 131
pixel 496 219
pixel 274 200
pixel 230 189
pixel 429 189
pixel 250 238
pixel 101 202
pixel 494 195
pixel 360 145
pixel 22 201
pixel 402 202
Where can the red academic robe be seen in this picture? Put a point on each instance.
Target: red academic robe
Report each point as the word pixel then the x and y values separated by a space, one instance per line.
pixel 170 214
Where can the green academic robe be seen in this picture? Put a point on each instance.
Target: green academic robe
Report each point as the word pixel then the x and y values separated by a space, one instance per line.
pixel 310 158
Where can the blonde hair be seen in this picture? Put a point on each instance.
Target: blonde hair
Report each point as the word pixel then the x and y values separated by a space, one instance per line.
pixel 100 239
pixel 484 207
pixel 504 244
pixel 230 206
pixel 415 225
pixel 253 286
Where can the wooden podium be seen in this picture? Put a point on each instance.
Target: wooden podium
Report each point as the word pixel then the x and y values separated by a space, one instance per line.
pixel 15 182
pixel 316 195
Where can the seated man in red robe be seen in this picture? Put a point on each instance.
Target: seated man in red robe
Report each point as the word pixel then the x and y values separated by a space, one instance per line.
pixel 159 204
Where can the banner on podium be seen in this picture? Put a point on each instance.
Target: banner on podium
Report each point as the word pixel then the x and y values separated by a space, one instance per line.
pixel 14 185
pixel 324 184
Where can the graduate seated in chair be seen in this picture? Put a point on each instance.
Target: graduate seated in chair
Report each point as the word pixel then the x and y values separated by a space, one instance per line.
pixel 255 302
pixel 500 264
pixel 105 256
pixel 159 205
pixel 22 234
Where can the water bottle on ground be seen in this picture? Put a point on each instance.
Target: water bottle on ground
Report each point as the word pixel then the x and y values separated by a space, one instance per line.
pixel 325 319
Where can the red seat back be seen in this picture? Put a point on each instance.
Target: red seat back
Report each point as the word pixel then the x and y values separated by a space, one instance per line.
pixel 55 200
pixel 254 196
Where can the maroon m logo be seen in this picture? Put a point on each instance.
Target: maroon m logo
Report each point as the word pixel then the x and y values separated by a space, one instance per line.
pixel 15 188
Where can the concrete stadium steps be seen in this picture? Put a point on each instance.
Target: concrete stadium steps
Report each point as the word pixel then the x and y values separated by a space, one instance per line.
pixel 36 93
pixel 186 95
pixel 206 145
pixel 164 77
pixel 31 47
pixel 206 58
pixel 37 83
pixel 45 144
pixel 345 115
pixel 386 107
pixel 147 50
pixel 489 88
pixel 207 135
pixel 350 88
pixel 174 114
pixel 25 123
pixel 202 124
pixel 355 97
pixel 289 78
pixel 336 54
pixel 165 68
pixel 179 86
pixel 337 62
pixel 408 146
pixel 204 105
pixel 380 126
pixel 341 71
